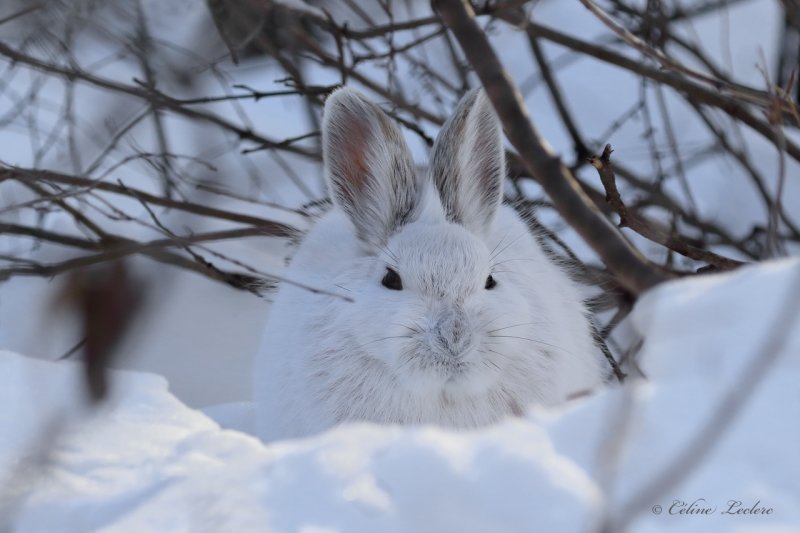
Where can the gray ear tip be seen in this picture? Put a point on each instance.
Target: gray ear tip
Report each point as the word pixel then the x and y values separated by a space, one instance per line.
pixel 482 100
pixel 482 107
pixel 470 98
pixel 346 97
pixel 477 101
pixel 477 96
pixel 343 91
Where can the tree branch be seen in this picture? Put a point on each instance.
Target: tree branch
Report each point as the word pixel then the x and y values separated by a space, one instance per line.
pixel 640 225
pixel 267 227
pixel 634 272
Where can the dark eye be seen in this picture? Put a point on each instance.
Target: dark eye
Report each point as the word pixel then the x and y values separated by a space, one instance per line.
pixel 490 282
pixel 392 280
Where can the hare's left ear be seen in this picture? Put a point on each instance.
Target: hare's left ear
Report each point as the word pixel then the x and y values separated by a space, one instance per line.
pixel 369 167
pixel 468 163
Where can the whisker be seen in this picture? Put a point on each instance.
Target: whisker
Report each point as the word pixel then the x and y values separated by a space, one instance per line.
pixel 386 338
pixel 414 329
pixel 385 248
pixel 495 319
pixel 487 362
pixel 504 248
pixel 491 254
pixel 536 341
pixel 514 326
pixel 517 259
pixel 504 356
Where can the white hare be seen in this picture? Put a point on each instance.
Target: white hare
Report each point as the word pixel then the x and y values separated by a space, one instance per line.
pixel 457 318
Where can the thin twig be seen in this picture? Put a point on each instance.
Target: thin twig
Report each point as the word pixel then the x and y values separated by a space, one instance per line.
pixel 646 229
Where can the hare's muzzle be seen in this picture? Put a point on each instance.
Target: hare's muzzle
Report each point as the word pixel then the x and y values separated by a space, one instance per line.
pixel 451 333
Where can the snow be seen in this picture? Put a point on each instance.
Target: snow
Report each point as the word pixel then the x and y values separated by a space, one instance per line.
pixel 146 462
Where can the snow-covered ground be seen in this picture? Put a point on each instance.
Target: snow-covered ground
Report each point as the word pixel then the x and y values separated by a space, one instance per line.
pixel 710 341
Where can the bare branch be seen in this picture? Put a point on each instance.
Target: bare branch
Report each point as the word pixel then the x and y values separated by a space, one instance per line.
pixel 633 270
pixel 267 227
pixel 646 229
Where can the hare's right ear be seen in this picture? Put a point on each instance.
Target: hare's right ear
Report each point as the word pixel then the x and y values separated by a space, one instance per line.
pixel 368 166
pixel 468 163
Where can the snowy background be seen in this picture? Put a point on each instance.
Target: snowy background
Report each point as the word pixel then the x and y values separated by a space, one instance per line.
pixel 148 461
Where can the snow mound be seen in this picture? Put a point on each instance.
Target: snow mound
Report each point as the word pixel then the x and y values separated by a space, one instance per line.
pixel 702 338
pixel 146 462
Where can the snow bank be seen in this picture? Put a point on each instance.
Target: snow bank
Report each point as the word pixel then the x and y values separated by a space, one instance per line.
pixel 701 336
pixel 146 462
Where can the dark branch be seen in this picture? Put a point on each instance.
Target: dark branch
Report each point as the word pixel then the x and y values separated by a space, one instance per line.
pixel 635 273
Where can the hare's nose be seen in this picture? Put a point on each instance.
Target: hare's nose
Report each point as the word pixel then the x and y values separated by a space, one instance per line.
pixel 451 331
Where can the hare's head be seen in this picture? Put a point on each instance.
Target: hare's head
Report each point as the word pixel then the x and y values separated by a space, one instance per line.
pixel 437 306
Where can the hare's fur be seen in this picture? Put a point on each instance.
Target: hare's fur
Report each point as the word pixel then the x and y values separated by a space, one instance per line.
pixel 445 349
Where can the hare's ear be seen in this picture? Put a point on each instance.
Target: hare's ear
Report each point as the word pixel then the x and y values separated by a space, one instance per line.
pixel 468 163
pixel 368 166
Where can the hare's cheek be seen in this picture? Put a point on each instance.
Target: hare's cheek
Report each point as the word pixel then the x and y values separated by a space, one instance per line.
pixel 380 337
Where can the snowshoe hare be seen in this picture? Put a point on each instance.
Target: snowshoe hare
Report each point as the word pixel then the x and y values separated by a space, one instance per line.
pixel 457 317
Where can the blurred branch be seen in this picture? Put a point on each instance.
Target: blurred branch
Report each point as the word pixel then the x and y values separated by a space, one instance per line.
pixel 143 49
pixel 266 227
pixel 114 248
pixel 714 96
pixel 20 13
pixel 110 249
pixel 664 60
pixel 154 97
